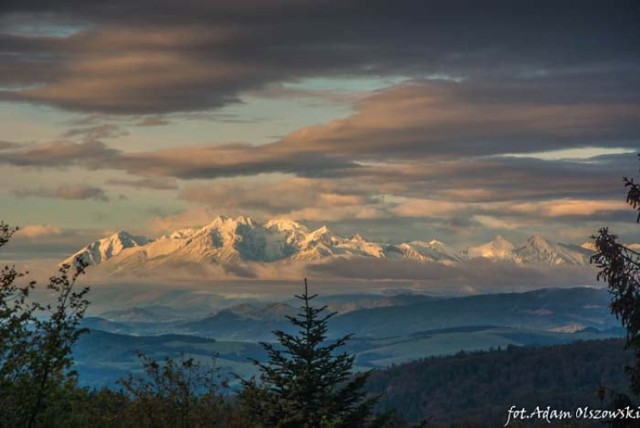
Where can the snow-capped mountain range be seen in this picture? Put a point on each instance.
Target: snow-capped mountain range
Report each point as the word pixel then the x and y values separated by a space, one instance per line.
pixel 230 240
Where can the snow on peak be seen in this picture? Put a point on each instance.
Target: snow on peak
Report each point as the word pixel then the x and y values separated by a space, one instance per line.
pixel 247 221
pixel 322 230
pixel 285 225
pixel 106 248
pixel 538 250
pixel 184 233
pixel 218 221
pixel 434 250
pixel 498 248
pixel 241 239
pixel 538 241
pixel 589 245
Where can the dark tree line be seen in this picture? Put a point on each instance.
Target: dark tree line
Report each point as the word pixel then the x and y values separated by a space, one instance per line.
pixel 477 388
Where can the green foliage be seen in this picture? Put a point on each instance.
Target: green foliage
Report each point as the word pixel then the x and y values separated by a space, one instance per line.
pixel 15 315
pixel 176 393
pixel 306 382
pixel 477 388
pixel 619 266
pixel 36 341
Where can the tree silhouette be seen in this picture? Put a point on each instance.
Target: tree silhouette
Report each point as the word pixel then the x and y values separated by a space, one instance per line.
pixel 36 341
pixel 619 266
pixel 176 392
pixel 307 382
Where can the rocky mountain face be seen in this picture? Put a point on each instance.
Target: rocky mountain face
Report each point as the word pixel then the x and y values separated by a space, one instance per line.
pixel 228 240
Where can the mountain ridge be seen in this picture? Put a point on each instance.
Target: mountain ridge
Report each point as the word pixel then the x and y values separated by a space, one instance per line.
pixel 225 241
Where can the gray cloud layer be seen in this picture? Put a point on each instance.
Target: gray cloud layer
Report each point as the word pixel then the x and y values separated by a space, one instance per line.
pixel 428 121
pixel 484 80
pixel 158 57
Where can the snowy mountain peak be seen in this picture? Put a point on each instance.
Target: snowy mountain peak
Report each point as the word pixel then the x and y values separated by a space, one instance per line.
pixel 218 221
pixel 106 248
pixel 227 222
pixel 241 239
pixel 247 221
pixel 322 230
pixel 538 241
pixel 285 225
pixel 321 238
pixel 538 250
pixel 435 250
pixel 182 233
pixel 498 248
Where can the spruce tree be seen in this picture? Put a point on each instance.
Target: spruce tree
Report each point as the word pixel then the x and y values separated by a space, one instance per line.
pixel 306 381
pixel 619 266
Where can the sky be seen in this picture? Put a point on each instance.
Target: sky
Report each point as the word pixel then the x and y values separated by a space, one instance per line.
pixel 398 120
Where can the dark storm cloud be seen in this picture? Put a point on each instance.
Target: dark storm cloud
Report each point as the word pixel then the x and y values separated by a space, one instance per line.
pixel 156 57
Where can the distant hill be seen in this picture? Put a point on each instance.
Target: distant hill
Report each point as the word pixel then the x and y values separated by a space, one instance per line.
pixel 103 357
pixel 557 310
pixel 545 309
pixel 478 388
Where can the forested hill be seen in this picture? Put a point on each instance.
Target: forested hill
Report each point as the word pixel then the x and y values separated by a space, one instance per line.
pixel 481 386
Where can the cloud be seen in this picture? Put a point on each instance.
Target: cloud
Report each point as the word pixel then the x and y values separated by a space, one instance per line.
pixel 153 121
pixel 96 132
pixel 46 241
pixel 149 57
pixel 187 218
pixel 448 120
pixel 231 160
pixel 38 230
pixel 146 183
pixel 443 124
pixel 475 276
pixel 67 192
pixel 295 197
pixel 80 191
pixel 6 145
pixel 89 154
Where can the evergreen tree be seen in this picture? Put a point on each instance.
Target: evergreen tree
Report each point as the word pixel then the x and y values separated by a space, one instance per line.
pixel 306 381
pixel 619 266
